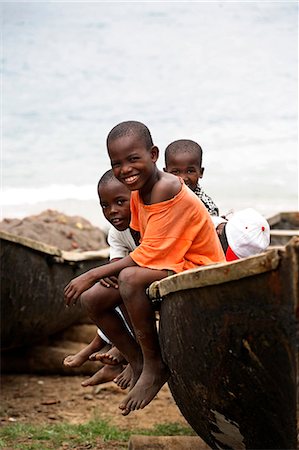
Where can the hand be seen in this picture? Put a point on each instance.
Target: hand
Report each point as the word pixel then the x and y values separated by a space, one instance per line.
pixel 109 281
pixel 76 287
pixel 220 228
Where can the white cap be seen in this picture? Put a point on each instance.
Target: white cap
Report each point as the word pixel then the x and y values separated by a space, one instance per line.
pixel 248 233
pixel 217 220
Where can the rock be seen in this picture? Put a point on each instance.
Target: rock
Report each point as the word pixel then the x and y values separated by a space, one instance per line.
pixel 59 230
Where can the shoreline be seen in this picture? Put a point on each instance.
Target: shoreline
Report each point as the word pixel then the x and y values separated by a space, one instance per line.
pixel 91 210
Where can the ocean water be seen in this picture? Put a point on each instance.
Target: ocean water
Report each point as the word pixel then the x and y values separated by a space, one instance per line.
pixel 224 74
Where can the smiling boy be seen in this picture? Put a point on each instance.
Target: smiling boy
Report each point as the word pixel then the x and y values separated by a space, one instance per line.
pixel 176 234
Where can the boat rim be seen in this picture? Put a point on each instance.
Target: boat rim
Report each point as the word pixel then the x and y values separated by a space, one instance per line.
pixel 60 255
pixel 215 274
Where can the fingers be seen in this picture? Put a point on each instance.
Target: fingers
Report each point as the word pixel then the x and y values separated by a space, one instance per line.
pixel 114 282
pixel 103 282
pixel 70 295
pixel 109 282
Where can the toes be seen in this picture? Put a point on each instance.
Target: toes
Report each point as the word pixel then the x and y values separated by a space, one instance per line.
pixel 67 360
pixel 134 405
pixel 88 382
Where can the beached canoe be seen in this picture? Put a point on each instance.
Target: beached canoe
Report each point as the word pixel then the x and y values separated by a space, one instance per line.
pixel 283 226
pixel 33 276
pixel 228 335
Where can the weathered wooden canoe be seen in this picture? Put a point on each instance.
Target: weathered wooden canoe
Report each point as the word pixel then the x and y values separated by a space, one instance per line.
pixel 33 276
pixel 283 226
pixel 228 335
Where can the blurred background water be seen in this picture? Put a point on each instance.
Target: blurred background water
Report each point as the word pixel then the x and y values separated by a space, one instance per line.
pixel 222 73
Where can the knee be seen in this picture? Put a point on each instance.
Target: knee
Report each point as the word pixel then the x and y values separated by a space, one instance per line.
pixel 128 280
pixel 90 300
pixel 87 300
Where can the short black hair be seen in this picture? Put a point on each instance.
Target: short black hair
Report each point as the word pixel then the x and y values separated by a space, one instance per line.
pixel 184 145
pixel 131 127
pixel 106 178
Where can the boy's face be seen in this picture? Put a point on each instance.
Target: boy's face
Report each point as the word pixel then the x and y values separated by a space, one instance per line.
pixel 132 163
pixel 115 202
pixel 186 166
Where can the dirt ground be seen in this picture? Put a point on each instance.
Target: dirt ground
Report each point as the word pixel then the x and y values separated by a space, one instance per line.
pixel 47 399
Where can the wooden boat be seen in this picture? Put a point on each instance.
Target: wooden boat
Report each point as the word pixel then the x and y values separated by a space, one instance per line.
pixel 33 276
pixel 228 335
pixel 283 226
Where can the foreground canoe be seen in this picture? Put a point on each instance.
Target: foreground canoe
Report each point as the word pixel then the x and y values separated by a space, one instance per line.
pixel 228 335
pixel 283 226
pixel 33 276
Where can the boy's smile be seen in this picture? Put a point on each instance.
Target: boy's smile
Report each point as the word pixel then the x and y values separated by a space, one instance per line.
pixel 132 163
pixel 131 180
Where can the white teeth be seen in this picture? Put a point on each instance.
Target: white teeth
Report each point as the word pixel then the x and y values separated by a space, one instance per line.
pixel 131 179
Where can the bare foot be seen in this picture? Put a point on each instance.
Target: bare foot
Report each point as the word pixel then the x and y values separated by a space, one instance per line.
pixel 82 356
pixel 123 380
pixel 147 386
pixel 113 357
pixel 75 360
pixel 105 374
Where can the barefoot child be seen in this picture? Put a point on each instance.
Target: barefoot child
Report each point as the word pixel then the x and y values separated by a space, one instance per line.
pixel 115 202
pixel 177 234
pixel 183 158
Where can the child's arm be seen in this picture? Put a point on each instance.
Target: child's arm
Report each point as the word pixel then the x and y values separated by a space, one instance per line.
pixel 85 281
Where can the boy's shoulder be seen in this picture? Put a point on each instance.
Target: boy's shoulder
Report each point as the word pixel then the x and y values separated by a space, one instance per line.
pixel 165 188
pixel 114 234
pixel 119 240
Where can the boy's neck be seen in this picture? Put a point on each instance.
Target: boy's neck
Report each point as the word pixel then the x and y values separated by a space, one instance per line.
pixel 146 191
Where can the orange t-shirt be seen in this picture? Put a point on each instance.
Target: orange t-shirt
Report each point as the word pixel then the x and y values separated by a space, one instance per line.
pixel 177 234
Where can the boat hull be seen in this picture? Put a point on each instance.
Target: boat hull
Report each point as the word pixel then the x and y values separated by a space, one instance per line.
pixel 230 344
pixel 283 226
pixel 32 281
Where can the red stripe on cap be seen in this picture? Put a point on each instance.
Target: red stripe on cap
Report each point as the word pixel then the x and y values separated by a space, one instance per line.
pixel 230 255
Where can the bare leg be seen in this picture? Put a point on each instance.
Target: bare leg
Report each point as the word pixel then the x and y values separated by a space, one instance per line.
pixel 113 357
pixel 105 374
pixel 79 358
pixel 133 282
pixel 100 304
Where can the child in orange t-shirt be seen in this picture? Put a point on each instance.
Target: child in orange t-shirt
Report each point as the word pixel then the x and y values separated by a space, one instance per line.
pixel 176 234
